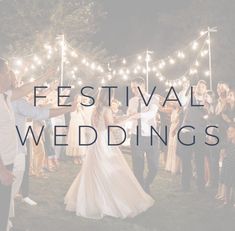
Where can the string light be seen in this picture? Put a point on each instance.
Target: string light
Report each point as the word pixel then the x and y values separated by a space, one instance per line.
pixel 195 45
pixel 124 72
pixel 172 61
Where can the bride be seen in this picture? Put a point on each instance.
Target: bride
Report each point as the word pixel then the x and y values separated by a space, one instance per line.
pixel 105 186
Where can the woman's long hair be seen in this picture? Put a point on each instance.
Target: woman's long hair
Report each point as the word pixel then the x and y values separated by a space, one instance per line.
pixel 102 101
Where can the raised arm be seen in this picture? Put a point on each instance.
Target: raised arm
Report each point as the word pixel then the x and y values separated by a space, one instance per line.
pixel 24 90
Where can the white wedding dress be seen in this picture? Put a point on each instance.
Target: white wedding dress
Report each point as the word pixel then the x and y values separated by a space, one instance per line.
pixel 106 186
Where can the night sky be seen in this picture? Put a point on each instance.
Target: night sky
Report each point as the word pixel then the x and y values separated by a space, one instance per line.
pixel 165 26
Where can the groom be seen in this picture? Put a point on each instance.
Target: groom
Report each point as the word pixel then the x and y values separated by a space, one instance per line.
pixel 144 117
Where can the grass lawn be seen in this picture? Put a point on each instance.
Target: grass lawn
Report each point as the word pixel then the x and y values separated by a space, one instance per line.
pixel 173 210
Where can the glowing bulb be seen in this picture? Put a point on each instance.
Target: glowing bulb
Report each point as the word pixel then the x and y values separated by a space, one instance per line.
pixel 203 53
pixel 139 57
pixel 154 69
pixel 75 69
pixel 17 72
pixel 208 41
pixel 197 63
pixel 192 71
pixel 128 71
pixel 32 67
pixel 35 58
pixel 172 61
pixel 84 61
pixel 202 33
pixel 74 54
pixel 161 78
pixel 124 61
pixel 103 81
pixel 184 79
pixel 195 45
pixel 179 82
pixel 31 80
pixel 121 72
pixel 207 73
pixel 181 55
pixel 93 66
pixel 79 82
pixel 39 62
pixel 125 77
pixel 19 62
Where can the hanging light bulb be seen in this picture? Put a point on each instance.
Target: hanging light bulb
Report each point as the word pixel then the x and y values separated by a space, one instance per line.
pixel 154 69
pixel 195 45
pixel 124 61
pixel 172 61
pixel 207 73
pixel 181 55
pixel 125 77
pixel 84 61
pixel 208 41
pixel 79 82
pixel 31 80
pixel 128 71
pixel 74 54
pixel 202 33
pixel 197 63
pixel 184 79
pixel 32 67
pixel 204 52
pixel 93 66
pixel 19 62
pixel 121 72
pixel 139 57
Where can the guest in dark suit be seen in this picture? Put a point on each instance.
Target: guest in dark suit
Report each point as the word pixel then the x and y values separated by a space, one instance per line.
pixel 194 117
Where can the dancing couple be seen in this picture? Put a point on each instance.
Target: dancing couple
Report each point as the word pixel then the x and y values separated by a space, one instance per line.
pixel 105 185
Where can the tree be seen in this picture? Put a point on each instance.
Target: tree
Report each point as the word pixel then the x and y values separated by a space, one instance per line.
pixel 26 24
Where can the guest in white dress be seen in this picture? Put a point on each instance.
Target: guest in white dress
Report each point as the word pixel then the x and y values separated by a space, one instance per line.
pixel 173 161
pixel 105 185
pixel 78 118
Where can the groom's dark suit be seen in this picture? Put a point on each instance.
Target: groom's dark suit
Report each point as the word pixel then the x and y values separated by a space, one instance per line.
pixel 144 147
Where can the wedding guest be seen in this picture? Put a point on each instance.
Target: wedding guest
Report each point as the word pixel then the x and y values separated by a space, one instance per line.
pixel 173 161
pixel 222 91
pixel 195 117
pixel 49 163
pixel 38 151
pixel 117 113
pixel 8 137
pixel 209 104
pixel 228 166
pixel 144 119
pixel 24 110
pixel 74 149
